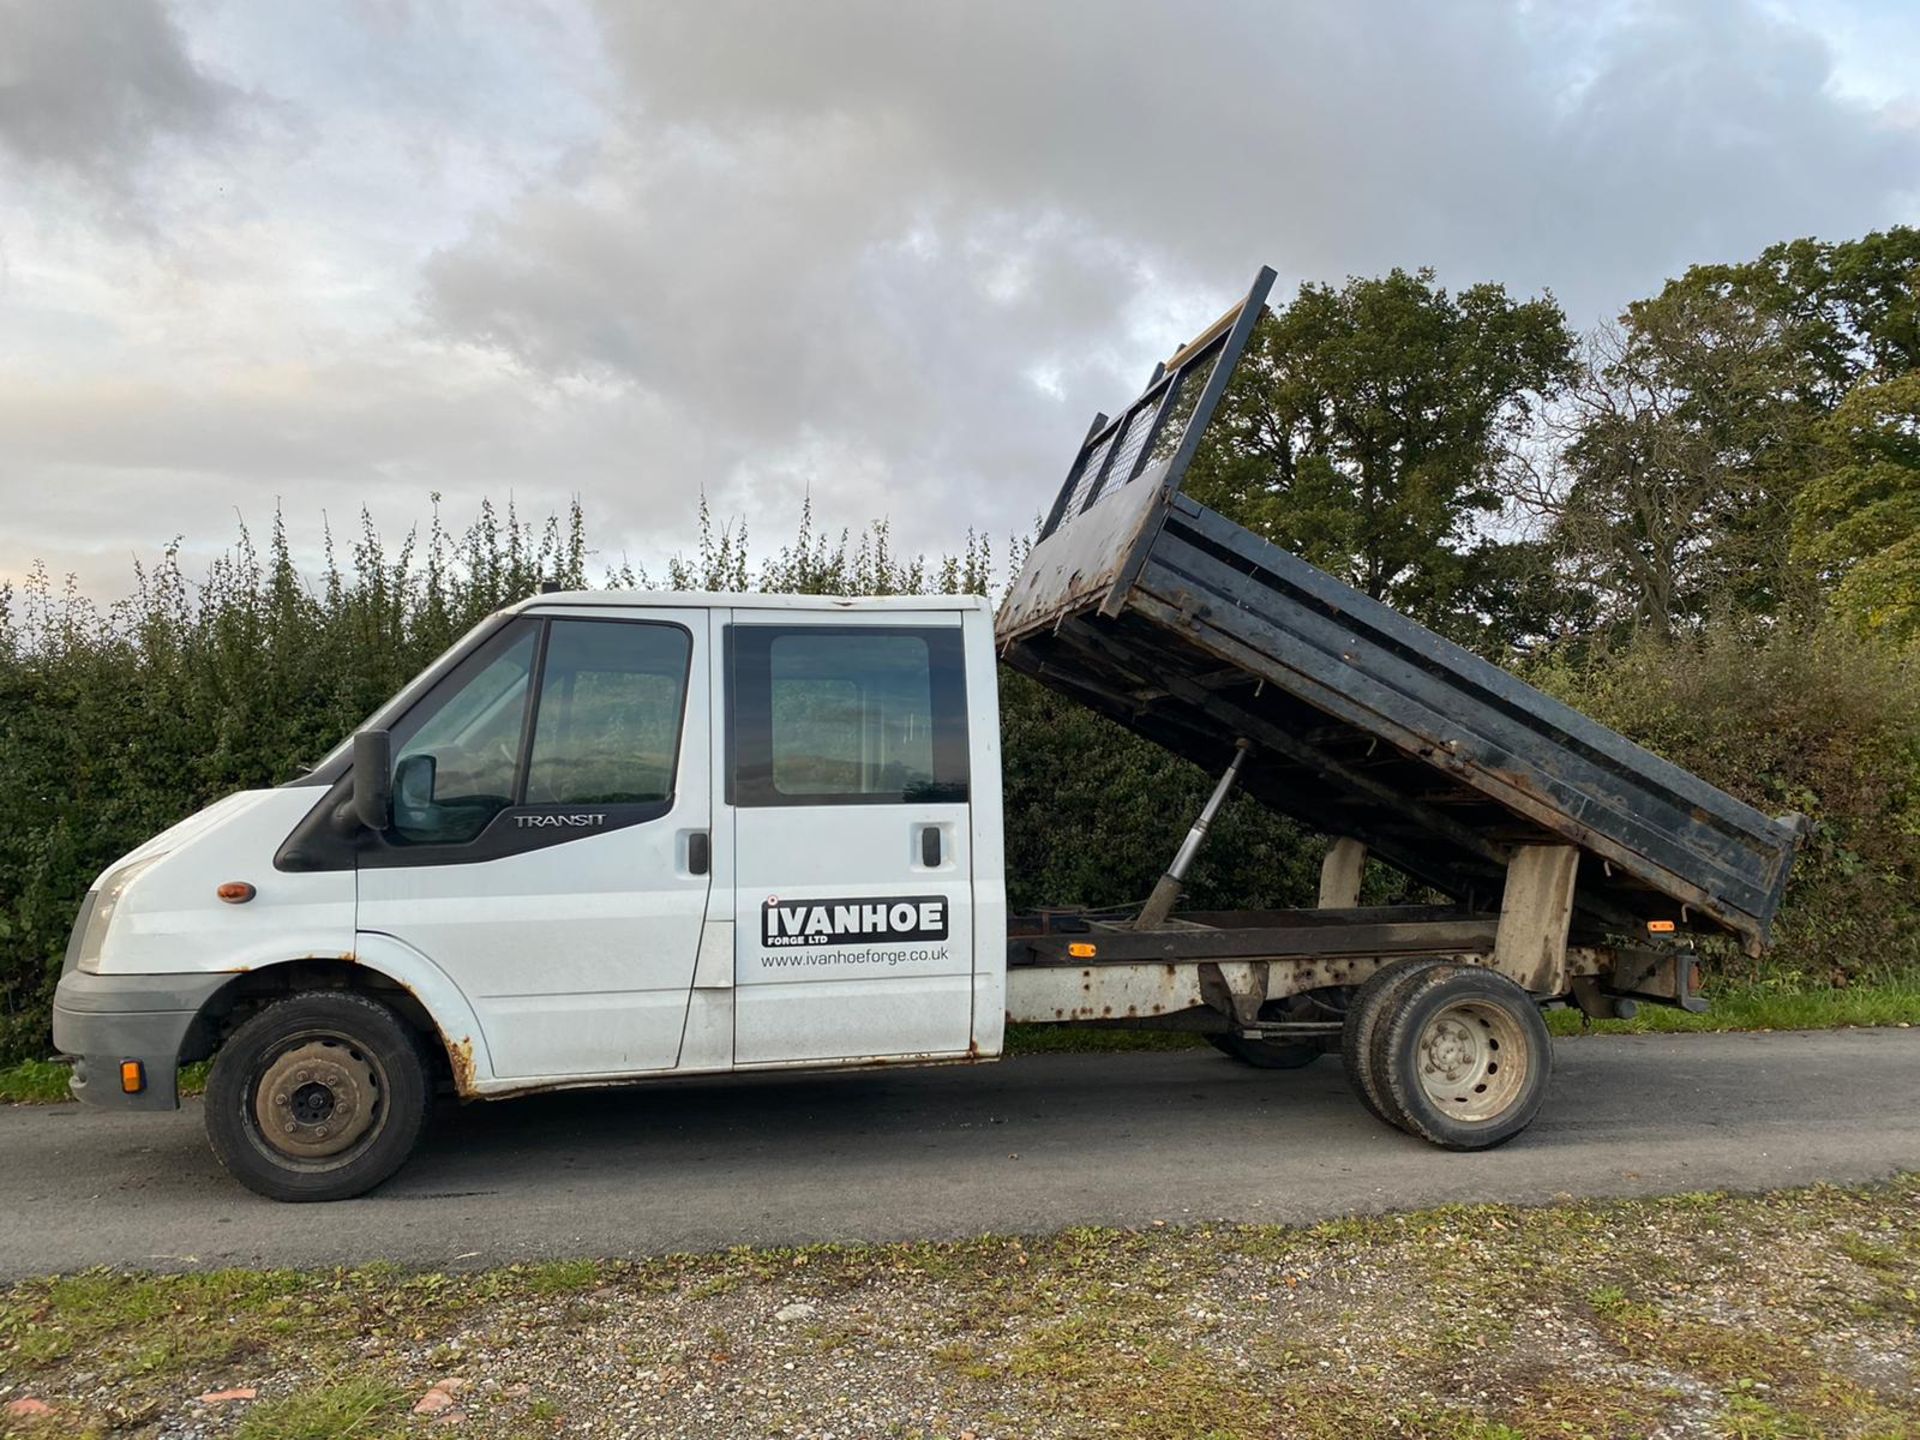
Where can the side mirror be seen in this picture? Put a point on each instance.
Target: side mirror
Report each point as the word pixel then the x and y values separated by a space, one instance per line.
pixel 413 781
pixel 373 779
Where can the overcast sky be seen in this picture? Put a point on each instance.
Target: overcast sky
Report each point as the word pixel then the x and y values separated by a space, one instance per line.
pixel 893 254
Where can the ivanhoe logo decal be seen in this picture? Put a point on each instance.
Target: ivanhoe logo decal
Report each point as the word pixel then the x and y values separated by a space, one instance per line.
pixel 862 921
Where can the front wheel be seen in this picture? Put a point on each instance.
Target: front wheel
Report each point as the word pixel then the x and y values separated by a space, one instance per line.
pixel 320 1096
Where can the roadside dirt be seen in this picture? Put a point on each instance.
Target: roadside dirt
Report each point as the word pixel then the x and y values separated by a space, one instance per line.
pixel 1792 1314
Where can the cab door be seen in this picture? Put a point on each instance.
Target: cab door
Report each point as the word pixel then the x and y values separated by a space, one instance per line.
pixel 847 777
pixel 552 797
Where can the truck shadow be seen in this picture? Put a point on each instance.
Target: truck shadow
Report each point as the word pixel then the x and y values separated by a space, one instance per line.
pixel 1612 1102
pixel 1035 1107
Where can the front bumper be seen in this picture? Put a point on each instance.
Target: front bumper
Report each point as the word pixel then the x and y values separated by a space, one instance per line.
pixel 104 1020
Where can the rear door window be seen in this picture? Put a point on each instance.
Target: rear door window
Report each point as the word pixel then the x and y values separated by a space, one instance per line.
pixel 868 715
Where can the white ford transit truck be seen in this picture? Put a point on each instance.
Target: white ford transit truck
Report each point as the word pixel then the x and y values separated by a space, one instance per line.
pixel 610 836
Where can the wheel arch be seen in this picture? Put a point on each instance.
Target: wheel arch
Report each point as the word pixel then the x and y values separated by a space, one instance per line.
pixel 382 967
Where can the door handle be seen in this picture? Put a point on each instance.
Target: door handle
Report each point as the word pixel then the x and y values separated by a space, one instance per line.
pixel 699 857
pixel 930 847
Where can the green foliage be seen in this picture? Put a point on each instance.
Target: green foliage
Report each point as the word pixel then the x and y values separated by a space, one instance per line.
pixel 1859 523
pixel 1814 720
pixel 812 565
pixel 33 1082
pixel 1366 428
pixel 1778 1002
pixel 816 564
pixel 1847 308
pixel 360 1406
pixel 115 724
pixel 1094 813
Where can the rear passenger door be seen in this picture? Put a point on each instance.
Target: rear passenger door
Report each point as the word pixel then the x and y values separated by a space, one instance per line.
pixel 847 773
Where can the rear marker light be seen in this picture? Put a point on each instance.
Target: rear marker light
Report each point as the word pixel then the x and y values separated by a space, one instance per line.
pixel 235 892
pixel 133 1077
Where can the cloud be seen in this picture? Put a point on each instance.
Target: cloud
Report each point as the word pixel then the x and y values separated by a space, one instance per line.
pixel 840 242
pixel 88 86
pixel 1504 141
pixel 891 256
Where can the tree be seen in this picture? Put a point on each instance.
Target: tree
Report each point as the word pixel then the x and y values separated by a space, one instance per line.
pixel 1701 418
pixel 1681 452
pixel 1858 523
pixel 1366 428
pixel 1847 309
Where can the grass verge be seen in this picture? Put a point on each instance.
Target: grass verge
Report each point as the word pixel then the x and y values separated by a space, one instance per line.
pixel 1766 1007
pixel 1792 1314
pixel 42 1082
pixel 33 1082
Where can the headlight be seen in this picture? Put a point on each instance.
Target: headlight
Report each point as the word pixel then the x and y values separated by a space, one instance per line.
pixel 111 889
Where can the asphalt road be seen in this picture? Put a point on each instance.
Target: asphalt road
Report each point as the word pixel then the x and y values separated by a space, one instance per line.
pixel 1029 1145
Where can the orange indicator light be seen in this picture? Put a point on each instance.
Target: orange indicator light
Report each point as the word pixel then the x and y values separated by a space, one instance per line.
pixel 133 1076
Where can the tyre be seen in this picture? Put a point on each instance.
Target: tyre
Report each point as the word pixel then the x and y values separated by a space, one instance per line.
pixel 320 1096
pixel 1312 1005
pixel 1265 1054
pixel 1370 1002
pixel 1461 1057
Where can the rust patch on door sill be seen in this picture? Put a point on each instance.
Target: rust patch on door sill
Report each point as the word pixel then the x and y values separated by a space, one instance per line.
pixel 460 1056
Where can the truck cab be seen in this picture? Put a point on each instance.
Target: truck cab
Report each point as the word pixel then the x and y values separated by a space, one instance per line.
pixel 610 836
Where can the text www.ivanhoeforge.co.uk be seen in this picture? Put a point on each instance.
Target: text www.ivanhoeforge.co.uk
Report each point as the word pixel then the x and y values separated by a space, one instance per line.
pixel 847 955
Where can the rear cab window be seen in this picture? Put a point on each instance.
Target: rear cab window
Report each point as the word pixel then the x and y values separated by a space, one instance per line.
pixel 846 715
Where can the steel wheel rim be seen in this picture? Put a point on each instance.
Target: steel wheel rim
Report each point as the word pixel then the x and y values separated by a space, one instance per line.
pixel 1473 1060
pixel 318 1100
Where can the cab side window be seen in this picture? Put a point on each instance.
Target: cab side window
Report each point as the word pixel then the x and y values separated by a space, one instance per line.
pixel 457 753
pixel 547 713
pixel 846 715
pixel 608 731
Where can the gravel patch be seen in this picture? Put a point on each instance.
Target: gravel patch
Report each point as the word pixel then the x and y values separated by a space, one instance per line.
pixel 1792 1314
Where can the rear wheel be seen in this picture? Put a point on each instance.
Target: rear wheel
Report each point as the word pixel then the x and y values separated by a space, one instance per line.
pixel 1266 1054
pixel 1374 999
pixel 1308 1005
pixel 1461 1058
pixel 320 1096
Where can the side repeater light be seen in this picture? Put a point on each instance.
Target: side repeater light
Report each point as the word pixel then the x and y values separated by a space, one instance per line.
pixel 1659 927
pixel 1081 950
pixel 133 1077
pixel 238 892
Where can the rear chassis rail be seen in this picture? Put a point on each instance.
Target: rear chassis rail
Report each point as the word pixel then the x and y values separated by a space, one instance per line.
pixel 1222 971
